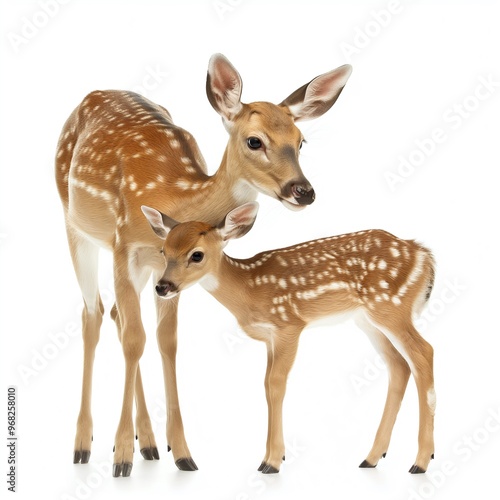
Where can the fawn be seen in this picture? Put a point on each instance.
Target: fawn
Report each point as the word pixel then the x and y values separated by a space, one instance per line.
pixel 379 280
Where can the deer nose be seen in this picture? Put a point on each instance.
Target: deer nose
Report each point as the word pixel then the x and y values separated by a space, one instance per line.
pixel 164 287
pixel 303 193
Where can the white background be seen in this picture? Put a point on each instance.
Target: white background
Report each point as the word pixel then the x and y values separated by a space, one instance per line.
pixel 418 68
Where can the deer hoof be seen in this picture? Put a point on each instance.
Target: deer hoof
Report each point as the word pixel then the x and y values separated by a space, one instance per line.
pixel 186 464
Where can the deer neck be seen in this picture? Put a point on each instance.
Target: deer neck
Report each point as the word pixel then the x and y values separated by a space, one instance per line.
pixel 222 283
pixel 219 194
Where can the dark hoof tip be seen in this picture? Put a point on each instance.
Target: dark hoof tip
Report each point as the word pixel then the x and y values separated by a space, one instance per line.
pixel 168 448
pixel 123 469
pixel 384 455
pixel 81 457
pixel 117 470
pixel 127 469
pixel 150 453
pixel 432 456
pixel 186 464
pixel 366 465
pixel 415 469
pixel 269 469
pixel 261 466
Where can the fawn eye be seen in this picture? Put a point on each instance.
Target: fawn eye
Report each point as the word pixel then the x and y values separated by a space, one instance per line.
pixel 197 257
pixel 254 143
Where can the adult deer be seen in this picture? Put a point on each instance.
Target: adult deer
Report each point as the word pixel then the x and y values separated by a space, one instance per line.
pixel 118 151
pixel 372 276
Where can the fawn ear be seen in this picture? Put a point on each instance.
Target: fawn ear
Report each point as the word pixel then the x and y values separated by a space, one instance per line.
pixel 316 97
pixel 239 221
pixel 160 223
pixel 224 87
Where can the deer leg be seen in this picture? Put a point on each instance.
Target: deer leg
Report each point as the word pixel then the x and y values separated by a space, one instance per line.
pixel 143 428
pixel 85 259
pixel 133 338
pixel 280 357
pixel 419 354
pixel 167 344
pixel 399 373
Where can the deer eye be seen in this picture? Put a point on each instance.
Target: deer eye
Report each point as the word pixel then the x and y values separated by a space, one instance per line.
pixel 197 256
pixel 254 143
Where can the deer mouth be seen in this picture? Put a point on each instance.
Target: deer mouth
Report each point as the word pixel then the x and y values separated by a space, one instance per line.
pixel 166 289
pixel 291 203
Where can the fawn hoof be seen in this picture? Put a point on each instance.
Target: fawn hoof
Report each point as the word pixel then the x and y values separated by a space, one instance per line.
pixel 186 464
pixel 269 469
pixel 415 469
pixel 366 465
pixel 123 469
pixel 150 453
pixel 265 468
pixel 81 457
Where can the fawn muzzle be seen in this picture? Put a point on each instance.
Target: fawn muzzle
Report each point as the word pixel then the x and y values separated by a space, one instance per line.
pixel 165 288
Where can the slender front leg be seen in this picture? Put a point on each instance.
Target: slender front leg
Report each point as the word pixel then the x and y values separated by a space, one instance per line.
pixel 280 357
pixel 167 343
pixel 143 427
pixel 133 339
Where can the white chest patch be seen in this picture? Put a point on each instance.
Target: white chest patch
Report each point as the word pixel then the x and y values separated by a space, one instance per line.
pixel 210 283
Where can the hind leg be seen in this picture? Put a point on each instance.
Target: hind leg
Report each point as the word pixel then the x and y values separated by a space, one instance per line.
pixel 418 353
pixel 85 261
pixel 399 373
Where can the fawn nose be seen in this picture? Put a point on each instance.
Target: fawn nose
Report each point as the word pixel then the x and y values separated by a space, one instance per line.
pixel 303 192
pixel 164 287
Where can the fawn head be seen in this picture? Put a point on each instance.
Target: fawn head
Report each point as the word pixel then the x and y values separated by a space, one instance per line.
pixel 193 249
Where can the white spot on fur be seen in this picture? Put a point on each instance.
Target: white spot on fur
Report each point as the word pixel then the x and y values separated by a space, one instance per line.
pixel 395 252
pixel 431 400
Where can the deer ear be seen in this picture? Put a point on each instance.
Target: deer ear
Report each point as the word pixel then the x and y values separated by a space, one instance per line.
pixel 160 223
pixel 224 87
pixel 239 221
pixel 316 97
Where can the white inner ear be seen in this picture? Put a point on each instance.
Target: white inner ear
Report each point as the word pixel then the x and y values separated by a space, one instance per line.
pixel 226 86
pixel 325 87
pixel 156 221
